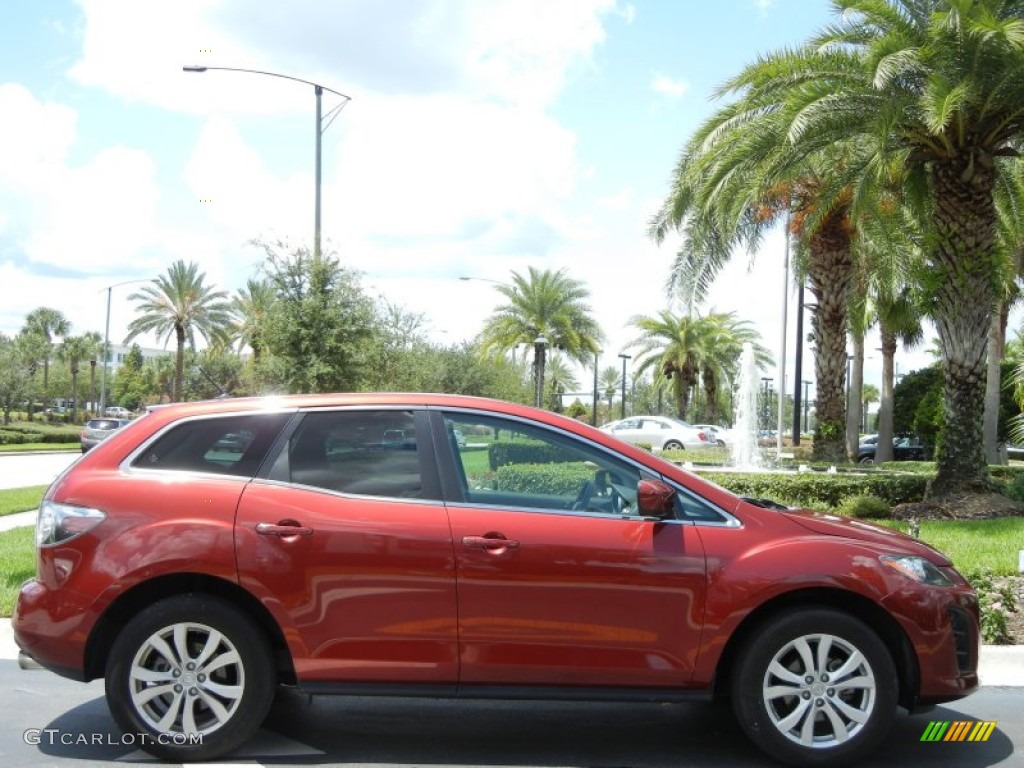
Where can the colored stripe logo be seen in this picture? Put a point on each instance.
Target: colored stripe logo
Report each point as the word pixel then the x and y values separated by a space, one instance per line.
pixel 959 730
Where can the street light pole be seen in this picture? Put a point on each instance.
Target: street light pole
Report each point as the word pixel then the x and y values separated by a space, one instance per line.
pixel 318 90
pixel 624 357
pixel 106 345
pixel 593 416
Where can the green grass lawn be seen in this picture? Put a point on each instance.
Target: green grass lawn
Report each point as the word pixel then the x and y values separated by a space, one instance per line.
pixel 24 447
pixel 20 499
pixel 17 563
pixel 974 545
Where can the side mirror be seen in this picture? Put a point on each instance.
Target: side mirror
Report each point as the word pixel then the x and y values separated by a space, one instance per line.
pixel 655 499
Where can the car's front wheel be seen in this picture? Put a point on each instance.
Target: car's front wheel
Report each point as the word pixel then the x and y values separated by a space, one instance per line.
pixel 673 445
pixel 191 674
pixel 815 687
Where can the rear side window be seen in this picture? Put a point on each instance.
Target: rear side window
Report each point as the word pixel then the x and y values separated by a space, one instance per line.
pixel 104 423
pixel 229 445
pixel 369 453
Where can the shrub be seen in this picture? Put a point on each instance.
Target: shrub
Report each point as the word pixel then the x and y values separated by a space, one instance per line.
pixel 500 454
pixel 812 489
pixel 995 602
pixel 865 508
pixel 554 479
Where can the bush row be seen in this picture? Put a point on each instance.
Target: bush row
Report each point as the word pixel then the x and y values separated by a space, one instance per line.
pixel 815 489
pixel 556 479
pixel 20 436
pixel 524 452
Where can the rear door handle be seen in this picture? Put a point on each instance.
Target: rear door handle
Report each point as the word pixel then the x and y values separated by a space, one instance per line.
pixel 283 529
pixel 490 541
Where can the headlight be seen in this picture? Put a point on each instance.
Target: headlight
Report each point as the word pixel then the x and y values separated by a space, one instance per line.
pixel 58 523
pixel 917 568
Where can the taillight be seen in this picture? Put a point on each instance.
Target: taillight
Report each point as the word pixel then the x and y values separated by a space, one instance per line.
pixel 58 523
pixel 703 437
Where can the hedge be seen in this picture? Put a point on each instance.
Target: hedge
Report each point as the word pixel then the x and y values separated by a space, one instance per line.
pixel 12 435
pixel 816 489
pixel 552 479
pixel 500 454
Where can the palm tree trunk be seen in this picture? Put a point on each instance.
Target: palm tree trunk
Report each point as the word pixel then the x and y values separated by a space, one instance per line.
pixel 92 385
pixel 830 270
pixel 179 366
pixel 883 448
pixel 993 382
pixel 962 264
pixel 854 391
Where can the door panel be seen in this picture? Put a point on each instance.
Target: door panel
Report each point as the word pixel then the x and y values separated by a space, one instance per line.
pixel 578 600
pixel 560 581
pixel 365 590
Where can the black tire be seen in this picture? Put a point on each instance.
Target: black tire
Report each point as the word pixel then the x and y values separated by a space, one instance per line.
pixel 240 689
pixel 776 721
pixel 673 445
pixel 866 460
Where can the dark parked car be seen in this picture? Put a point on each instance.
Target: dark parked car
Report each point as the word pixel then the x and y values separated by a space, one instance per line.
pixel 904 448
pixel 96 430
pixel 323 554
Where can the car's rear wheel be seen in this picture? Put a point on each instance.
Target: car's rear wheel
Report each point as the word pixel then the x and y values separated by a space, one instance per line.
pixel 866 460
pixel 192 674
pixel 815 687
pixel 673 445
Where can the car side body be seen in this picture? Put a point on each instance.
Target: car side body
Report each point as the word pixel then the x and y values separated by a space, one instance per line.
pixel 354 544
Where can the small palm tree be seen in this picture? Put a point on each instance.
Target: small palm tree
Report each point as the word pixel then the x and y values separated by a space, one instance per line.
pixel 47 323
pixel 73 351
pixel 561 379
pixel 543 305
pixel 179 303
pixel 251 307
pixel 610 380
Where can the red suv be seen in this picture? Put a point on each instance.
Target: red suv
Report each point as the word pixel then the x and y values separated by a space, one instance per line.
pixel 430 545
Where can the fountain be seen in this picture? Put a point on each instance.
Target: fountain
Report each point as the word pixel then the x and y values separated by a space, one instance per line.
pixel 745 453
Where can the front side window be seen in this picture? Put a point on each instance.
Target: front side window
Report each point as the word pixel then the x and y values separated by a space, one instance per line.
pixel 507 463
pixel 228 445
pixel 369 453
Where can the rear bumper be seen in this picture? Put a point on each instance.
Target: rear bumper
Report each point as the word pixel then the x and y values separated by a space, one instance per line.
pixel 56 642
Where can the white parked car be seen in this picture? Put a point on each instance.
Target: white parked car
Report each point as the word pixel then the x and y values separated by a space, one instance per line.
pixel 716 435
pixel 659 432
pixel 118 412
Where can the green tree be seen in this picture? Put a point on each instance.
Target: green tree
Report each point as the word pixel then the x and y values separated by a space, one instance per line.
pixel 180 304
pixel 561 379
pixel 936 87
pixel 251 307
pixel 322 327
pixel 544 304
pixel 610 384
pixel 47 323
pixel 130 387
pixel 14 375
pixel 73 351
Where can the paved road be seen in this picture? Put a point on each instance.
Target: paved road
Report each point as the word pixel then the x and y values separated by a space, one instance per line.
pixel 401 732
pixel 18 470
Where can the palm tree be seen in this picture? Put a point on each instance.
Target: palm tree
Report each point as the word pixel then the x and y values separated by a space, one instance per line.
pixel 73 351
pixel 179 303
pixel 251 307
pixel 610 380
pixel 562 379
pixel 936 86
pixel 47 323
pixel 548 305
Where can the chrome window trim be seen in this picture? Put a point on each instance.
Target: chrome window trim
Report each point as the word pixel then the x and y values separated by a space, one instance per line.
pixel 349 496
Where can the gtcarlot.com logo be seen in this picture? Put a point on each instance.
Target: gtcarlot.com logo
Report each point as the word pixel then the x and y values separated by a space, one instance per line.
pixel 959 730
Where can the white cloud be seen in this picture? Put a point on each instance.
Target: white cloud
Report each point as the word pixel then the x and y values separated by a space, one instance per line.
pixel 666 86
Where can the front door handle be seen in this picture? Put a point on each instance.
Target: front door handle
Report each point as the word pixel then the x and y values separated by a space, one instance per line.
pixel 283 529
pixel 490 541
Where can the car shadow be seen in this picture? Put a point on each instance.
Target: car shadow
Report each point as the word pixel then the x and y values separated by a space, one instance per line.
pixel 303 730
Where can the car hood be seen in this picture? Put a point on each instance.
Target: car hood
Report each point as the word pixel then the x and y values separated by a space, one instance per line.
pixel 850 528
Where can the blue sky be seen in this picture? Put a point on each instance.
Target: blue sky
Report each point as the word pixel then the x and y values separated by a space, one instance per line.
pixel 483 136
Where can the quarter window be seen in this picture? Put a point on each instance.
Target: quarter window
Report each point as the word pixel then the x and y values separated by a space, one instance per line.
pixel 231 445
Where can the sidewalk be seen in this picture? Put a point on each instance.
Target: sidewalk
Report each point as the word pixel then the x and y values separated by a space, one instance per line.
pixel 998 665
